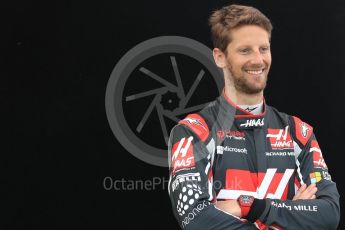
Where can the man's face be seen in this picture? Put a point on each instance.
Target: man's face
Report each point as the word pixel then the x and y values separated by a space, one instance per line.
pixel 249 58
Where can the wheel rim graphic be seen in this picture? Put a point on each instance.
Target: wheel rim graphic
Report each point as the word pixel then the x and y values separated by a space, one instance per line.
pixel 114 97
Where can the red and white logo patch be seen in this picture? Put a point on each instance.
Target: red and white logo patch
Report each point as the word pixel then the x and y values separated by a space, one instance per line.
pixel 196 123
pixel 269 184
pixel 237 135
pixel 318 160
pixel 182 154
pixel 280 138
pixel 303 130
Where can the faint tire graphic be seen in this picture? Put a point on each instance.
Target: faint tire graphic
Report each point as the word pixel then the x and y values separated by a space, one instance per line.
pixel 170 100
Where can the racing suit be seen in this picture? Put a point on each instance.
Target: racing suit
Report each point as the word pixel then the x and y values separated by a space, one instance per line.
pixel 223 151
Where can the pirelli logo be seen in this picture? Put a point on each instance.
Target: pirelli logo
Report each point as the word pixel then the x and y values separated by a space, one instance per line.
pixel 191 178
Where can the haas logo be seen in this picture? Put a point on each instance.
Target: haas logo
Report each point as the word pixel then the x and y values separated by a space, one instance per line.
pixel 253 123
pixel 183 156
pixel 318 159
pixel 280 138
pixel 272 184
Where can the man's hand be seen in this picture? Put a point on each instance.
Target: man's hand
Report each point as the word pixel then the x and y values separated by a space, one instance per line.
pixel 230 206
pixel 306 193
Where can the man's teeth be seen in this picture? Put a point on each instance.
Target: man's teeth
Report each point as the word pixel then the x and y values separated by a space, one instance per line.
pixel 254 71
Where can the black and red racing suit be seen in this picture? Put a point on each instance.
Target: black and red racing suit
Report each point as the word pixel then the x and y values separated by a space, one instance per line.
pixel 223 151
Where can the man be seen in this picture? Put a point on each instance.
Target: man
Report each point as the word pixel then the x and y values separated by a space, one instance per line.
pixel 239 163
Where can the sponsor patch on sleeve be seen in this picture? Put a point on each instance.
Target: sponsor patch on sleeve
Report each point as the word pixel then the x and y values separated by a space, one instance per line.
pixel 182 154
pixel 196 123
pixel 303 130
pixel 318 160
pixel 315 177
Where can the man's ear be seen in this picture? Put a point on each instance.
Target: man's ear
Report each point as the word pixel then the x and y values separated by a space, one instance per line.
pixel 219 58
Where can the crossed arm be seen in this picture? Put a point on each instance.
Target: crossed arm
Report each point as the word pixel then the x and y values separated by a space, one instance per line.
pixel 303 193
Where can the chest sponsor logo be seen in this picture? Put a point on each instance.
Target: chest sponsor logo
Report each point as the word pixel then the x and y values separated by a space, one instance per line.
pixel 271 184
pixel 190 178
pixel 182 156
pixel 318 160
pixel 221 149
pixel 253 123
pixel 279 154
pixel 236 135
pixel 280 138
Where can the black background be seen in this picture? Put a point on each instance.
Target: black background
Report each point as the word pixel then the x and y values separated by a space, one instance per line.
pixel 57 58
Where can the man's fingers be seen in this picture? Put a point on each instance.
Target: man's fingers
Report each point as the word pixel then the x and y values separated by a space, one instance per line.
pixel 299 191
pixel 305 192
pixel 302 188
pixel 312 189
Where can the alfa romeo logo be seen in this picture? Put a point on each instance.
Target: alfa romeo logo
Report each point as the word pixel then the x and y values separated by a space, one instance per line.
pixel 152 87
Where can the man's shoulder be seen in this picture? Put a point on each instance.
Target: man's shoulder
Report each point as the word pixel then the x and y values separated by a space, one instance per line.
pixel 199 122
pixel 196 123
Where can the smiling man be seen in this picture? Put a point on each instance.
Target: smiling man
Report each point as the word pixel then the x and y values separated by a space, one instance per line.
pixel 246 62
pixel 242 164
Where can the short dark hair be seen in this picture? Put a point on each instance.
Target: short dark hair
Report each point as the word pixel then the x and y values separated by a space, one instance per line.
pixel 222 21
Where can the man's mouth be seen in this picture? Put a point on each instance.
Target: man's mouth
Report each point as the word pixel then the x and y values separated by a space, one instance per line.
pixel 255 72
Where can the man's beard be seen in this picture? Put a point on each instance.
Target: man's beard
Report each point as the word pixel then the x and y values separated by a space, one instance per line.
pixel 243 85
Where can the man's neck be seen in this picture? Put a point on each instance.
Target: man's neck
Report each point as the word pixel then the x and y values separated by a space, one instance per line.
pixel 240 98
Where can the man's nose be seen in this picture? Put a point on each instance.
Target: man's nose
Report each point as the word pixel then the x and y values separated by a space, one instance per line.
pixel 257 57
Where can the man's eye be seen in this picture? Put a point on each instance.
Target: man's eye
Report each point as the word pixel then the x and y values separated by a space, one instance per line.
pixel 265 49
pixel 244 51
